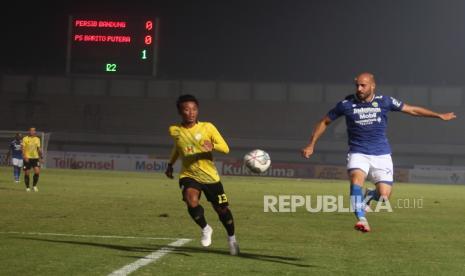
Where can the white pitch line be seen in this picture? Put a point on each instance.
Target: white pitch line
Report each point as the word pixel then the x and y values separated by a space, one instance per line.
pixel 152 257
pixel 86 236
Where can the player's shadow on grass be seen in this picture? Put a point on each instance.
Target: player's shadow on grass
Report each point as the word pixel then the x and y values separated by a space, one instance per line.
pixel 182 250
pixel 185 250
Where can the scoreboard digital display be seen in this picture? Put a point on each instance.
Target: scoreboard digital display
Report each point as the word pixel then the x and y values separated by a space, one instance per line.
pixel 112 45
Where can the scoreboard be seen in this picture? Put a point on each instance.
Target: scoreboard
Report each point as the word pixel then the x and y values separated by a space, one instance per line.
pixel 112 45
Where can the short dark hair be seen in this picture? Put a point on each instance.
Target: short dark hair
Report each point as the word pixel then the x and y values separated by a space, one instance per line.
pixel 186 98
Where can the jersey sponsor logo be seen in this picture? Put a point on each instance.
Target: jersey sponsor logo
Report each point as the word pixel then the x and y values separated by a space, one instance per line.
pixel 367 110
pixel 367 115
pixel 366 122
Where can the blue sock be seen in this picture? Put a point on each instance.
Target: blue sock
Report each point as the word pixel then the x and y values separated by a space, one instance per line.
pixel 356 199
pixel 16 172
pixel 373 195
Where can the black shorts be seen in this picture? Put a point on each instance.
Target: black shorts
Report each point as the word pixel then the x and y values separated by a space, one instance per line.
pixel 214 191
pixel 32 163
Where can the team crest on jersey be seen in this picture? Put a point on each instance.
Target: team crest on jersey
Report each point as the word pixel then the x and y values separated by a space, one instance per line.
pixel 374 104
pixel 198 136
pixel 189 149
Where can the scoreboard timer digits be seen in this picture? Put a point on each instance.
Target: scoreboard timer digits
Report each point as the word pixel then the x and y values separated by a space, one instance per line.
pixel 123 46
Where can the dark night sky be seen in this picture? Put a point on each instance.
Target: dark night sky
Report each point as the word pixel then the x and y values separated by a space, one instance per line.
pixel 417 42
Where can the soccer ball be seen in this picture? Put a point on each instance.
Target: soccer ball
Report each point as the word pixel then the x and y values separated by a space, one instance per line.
pixel 257 161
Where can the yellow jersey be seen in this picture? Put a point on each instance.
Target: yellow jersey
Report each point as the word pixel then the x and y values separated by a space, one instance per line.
pixel 31 146
pixel 196 162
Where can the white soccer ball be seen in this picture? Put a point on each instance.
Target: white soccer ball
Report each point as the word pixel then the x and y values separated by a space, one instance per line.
pixel 257 161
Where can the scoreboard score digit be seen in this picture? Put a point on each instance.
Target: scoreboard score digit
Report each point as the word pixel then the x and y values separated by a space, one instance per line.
pixel 112 45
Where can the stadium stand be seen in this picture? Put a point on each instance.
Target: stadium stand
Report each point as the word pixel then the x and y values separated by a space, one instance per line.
pixel 132 116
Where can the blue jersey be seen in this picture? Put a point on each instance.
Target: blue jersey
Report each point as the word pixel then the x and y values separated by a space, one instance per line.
pixel 366 123
pixel 16 149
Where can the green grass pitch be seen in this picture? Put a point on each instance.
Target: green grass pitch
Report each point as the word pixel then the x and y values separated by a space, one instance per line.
pixel 419 241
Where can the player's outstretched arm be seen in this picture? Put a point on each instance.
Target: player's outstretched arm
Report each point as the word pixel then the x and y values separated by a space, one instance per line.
pixel 318 130
pixel 424 112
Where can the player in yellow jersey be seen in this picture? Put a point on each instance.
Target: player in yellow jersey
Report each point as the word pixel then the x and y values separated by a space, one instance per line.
pixel 194 143
pixel 32 156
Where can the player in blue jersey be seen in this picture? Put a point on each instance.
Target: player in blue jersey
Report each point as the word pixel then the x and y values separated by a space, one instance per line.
pixel 16 153
pixel 369 152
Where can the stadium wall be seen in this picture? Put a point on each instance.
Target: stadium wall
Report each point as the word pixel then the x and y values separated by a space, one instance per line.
pixel 131 115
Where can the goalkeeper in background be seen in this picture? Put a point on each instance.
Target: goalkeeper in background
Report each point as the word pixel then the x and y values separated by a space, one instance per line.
pixel 194 143
pixel 32 156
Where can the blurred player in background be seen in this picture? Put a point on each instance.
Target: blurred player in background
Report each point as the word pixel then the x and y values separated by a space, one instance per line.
pixel 369 151
pixel 32 156
pixel 16 153
pixel 194 143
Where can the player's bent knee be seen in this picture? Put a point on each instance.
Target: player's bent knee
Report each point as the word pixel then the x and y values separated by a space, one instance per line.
pixel 191 197
pixel 357 177
pixel 191 202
